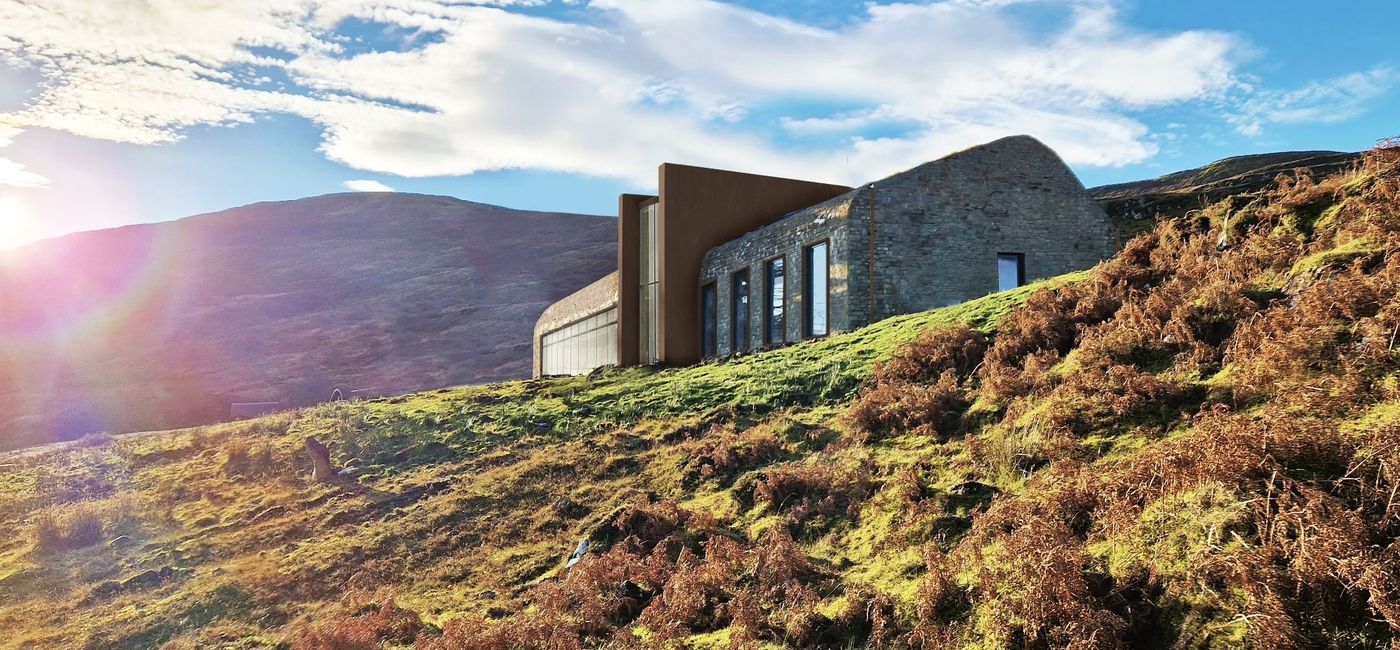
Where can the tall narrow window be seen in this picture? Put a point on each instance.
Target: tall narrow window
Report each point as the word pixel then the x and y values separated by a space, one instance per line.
pixel 739 311
pixel 707 320
pixel 1011 270
pixel 650 276
pixel 816 292
pixel 774 303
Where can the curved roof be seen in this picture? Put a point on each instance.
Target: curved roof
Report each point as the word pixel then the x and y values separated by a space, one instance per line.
pixel 587 301
pixel 1012 151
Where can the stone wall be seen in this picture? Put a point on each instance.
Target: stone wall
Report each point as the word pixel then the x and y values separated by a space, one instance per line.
pixel 939 226
pixel 788 237
pixel 937 231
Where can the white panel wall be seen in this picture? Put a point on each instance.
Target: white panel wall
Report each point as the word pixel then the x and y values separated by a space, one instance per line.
pixel 581 346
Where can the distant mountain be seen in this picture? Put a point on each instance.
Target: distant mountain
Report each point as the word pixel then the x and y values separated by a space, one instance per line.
pixel 164 325
pixel 1176 193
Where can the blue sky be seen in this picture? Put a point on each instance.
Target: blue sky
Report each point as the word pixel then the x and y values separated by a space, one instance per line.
pixel 122 112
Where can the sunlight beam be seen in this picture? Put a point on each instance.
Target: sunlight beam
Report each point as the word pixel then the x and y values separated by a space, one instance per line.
pixel 17 225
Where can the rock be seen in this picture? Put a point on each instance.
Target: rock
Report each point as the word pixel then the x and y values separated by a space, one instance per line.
pixel 579 551
pixel 321 468
pixel 486 595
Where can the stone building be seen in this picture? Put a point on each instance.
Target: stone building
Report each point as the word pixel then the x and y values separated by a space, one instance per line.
pixel 745 263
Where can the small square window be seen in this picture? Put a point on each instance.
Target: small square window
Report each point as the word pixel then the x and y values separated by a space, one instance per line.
pixel 1011 270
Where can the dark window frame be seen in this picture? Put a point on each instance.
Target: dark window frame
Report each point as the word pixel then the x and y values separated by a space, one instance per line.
pixel 807 288
pixel 736 342
pixel 709 340
pixel 1020 269
pixel 768 338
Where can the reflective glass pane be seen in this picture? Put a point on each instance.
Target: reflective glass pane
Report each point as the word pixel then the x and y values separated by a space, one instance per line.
pixel 1010 271
pixel 707 320
pixel 817 290
pixel 739 311
pixel 775 303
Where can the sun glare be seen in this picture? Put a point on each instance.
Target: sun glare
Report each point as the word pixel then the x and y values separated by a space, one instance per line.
pixel 16 225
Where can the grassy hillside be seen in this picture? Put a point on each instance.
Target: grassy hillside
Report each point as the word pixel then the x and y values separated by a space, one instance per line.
pixel 1193 445
pixel 1136 205
pixel 163 325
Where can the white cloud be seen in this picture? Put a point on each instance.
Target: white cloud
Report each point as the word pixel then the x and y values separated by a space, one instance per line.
pixel 616 96
pixel 617 88
pixel 367 186
pixel 1324 102
pixel 13 173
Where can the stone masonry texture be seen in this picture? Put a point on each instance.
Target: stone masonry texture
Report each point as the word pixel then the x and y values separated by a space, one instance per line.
pixel 937 231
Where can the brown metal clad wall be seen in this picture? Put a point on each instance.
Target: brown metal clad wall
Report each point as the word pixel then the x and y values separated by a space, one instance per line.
pixel 700 209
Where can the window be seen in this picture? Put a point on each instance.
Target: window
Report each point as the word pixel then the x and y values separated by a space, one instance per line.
pixel 816 291
pixel 739 311
pixel 650 277
pixel 774 303
pixel 707 320
pixel 1011 270
pixel 580 346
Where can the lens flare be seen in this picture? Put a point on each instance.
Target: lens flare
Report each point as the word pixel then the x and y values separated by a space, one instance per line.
pixel 17 226
pixel 69 306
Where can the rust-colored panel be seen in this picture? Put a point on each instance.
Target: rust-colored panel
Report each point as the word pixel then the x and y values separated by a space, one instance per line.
pixel 628 277
pixel 699 209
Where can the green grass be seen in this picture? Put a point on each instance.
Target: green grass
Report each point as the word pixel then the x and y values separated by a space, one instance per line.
pixel 453 496
pixel 1039 512
pixel 813 373
pixel 1338 256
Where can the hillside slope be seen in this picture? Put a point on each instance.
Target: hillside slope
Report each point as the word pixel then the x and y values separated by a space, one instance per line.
pixel 163 325
pixel 1193 445
pixel 1139 202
